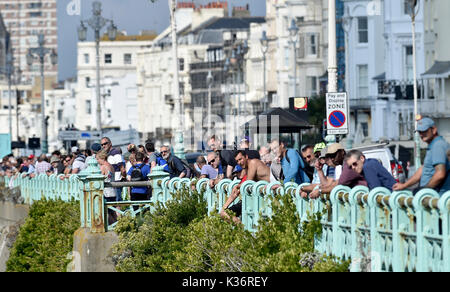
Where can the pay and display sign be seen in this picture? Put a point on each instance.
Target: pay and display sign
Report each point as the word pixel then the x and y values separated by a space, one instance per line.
pixel 337 113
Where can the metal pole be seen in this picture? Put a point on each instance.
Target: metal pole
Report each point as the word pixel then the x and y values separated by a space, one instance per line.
pixel 8 68
pixel 265 89
pixel 97 61
pixel 332 56
pixel 332 53
pixel 417 161
pixel 179 142
pixel 209 101
pixel 44 147
pixel 295 67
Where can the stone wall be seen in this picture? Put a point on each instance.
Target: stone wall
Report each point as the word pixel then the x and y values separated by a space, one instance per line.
pixel 12 216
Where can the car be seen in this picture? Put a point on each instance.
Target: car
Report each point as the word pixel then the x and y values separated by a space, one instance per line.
pixel 383 154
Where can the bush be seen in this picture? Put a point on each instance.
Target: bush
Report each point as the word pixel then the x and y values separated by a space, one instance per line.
pixel 182 238
pixel 46 238
pixel 148 243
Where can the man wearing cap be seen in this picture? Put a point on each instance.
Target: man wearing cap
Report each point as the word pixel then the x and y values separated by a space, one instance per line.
pixel 334 158
pixel 434 173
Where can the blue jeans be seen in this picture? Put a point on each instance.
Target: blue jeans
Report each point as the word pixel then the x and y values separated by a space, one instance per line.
pixel 118 194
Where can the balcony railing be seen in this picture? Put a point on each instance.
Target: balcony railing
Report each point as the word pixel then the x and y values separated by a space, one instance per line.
pixel 402 89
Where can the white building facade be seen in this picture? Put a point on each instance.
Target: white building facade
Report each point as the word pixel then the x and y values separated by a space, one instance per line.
pixel 380 69
pixel 118 61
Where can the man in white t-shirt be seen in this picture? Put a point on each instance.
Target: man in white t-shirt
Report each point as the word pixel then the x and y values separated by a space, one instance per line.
pixel 79 164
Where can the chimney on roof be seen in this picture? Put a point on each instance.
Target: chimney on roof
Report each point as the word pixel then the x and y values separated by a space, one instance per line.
pixel 241 11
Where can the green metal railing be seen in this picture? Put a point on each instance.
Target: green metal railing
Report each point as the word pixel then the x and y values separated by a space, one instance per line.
pixel 376 230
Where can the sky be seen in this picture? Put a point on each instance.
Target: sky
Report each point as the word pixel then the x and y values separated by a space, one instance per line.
pixel 129 15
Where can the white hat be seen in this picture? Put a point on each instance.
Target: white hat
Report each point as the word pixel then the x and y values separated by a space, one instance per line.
pixel 74 149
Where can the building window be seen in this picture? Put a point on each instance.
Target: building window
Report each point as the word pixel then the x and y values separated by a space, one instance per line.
pixel 312 85
pixel 181 64
pixel 312 49
pixel 108 58
pixel 127 59
pixel 363 81
pixel 86 58
pixel 88 81
pixel 409 63
pixel 363 33
pixel 88 107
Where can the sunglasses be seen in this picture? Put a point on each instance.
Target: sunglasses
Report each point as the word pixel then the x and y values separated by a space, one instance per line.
pixel 211 162
pixel 67 161
pixel 104 144
pixel 164 151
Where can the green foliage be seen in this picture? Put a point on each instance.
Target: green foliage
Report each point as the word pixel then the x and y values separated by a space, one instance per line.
pixel 46 238
pixel 148 244
pixel 182 238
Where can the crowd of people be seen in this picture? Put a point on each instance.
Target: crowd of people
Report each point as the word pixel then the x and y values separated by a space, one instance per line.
pixel 319 167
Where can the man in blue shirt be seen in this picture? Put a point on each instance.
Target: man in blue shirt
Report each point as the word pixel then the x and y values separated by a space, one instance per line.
pixel 139 193
pixel 292 164
pixel 373 171
pixel 434 173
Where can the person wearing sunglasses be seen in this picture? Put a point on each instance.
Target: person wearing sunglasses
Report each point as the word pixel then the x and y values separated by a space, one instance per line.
pixel 213 169
pixel 371 169
pixel 115 158
pixel 174 165
pixel 435 172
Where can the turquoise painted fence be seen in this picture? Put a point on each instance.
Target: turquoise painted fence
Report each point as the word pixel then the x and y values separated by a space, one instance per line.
pixel 376 230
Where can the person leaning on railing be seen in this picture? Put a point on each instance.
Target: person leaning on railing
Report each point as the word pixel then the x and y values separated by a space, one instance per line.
pixel 256 171
pixel 434 174
pixel 333 157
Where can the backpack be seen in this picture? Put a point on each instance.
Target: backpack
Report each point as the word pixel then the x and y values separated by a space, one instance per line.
pixel 137 175
pixel 301 167
pixel 190 172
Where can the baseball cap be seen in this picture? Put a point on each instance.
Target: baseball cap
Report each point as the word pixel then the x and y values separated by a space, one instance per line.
pixel 333 148
pixel 424 124
pixel 31 156
pixel 319 146
pixel 96 147
pixel 74 149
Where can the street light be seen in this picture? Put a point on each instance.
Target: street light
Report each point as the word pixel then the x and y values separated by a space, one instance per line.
pixel 40 53
pixel 413 12
pixel 293 33
pixel 97 22
pixel 8 70
pixel 209 82
pixel 264 47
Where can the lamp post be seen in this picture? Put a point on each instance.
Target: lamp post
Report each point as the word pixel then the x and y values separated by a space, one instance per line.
pixel 97 22
pixel 209 82
pixel 293 33
pixel 237 62
pixel 347 25
pixel 40 53
pixel 8 70
pixel 332 56
pixel 413 12
pixel 264 48
pixel 179 140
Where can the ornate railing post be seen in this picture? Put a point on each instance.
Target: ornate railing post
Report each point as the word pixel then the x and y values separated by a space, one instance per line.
pixel 429 241
pixel 93 188
pixel 341 242
pixel 360 224
pixel 444 209
pixel 158 177
pixel 380 230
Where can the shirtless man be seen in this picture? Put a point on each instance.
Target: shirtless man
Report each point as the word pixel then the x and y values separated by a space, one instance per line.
pixel 256 171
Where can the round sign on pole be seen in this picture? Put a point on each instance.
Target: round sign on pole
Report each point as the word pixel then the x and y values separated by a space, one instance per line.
pixel 337 119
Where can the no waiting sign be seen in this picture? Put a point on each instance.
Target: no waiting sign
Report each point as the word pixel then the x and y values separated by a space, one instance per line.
pixel 337 113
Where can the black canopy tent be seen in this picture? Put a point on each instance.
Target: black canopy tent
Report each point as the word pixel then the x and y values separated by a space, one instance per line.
pixel 282 121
